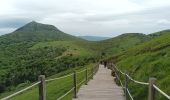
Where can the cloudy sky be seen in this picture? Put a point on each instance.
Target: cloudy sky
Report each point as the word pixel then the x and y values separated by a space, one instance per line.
pixel 88 17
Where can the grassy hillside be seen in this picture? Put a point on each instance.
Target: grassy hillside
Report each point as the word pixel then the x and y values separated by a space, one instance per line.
pixel 72 48
pixel 121 43
pixel 149 59
pixel 36 49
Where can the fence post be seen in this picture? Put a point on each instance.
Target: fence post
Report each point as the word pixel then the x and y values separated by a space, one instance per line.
pixel 42 92
pixel 92 72
pixel 75 84
pixel 126 85
pixel 86 76
pixel 114 70
pixel 152 91
pixel 95 69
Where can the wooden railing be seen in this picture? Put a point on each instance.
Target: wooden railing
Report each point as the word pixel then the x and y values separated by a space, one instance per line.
pixel 152 88
pixel 42 84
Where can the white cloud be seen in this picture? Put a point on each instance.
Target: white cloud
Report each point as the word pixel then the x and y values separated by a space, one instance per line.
pixel 6 30
pixel 97 17
pixel 163 21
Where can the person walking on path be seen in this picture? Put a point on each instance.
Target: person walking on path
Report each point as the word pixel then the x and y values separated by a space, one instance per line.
pixel 105 64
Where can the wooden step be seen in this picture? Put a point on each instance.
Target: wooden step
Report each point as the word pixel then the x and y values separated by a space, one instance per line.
pixel 102 87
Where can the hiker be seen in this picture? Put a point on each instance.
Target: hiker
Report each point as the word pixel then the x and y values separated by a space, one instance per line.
pixel 105 64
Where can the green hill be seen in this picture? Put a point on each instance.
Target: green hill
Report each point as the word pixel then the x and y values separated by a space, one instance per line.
pixel 35 32
pixel 36 49
pixel 149 59
pixel 121 43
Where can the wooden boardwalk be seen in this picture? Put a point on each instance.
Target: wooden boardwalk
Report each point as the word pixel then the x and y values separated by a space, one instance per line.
pixel 102 87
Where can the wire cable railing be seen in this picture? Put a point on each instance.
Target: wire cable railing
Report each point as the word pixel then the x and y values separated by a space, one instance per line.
pixel 59 77
pixel 81 71
pixel 66 93
pixel 151 85
pixel 130 95
pixel 138 82
pixel 42 81
pixel 119 80
pixel 160 91
pixel 16 93
pixel 79 84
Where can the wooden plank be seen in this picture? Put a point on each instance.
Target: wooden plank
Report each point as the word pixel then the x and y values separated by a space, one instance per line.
pixel 102 87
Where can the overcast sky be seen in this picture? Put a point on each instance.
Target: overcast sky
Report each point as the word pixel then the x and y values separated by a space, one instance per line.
pixel 88 17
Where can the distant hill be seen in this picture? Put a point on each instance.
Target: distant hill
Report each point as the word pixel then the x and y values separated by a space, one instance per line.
pixel 93 38
pixel 36 32
pixel 36 27
pixel 158 34
pixel 121 43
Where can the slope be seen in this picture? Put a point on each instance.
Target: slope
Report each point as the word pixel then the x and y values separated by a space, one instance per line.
pixel 35 32
pixel 121 43
pixel 36 49
pixel 149 59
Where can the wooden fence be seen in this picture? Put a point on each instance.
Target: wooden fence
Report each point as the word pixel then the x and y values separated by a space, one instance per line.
pixel 42 84
pixel 152 88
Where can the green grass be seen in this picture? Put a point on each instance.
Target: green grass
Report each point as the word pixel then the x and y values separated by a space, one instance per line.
pixel 56 88
pixel 142 55
pixel 150 59
pixel 72 47
pixel 121 43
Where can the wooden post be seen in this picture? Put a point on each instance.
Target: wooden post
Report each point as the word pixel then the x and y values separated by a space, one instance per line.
pixel 152 91
pixel 95 69
pixel 115 73
pixel 42 92
pixel 75 84
pixel 112 73
pixel 126 85
pixel 86 76
pixel 92 72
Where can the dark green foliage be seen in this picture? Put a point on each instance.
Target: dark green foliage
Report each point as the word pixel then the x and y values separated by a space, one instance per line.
pixel 26 64
pixel 20 63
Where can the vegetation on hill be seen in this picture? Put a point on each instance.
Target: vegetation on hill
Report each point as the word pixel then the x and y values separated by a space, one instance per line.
pixel 121 43
pixel 55 88
pixel 36 32
pixel 149 59
pixel 36 49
